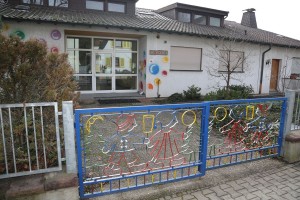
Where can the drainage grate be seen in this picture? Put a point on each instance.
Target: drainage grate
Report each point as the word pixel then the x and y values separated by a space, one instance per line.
pixel 117 101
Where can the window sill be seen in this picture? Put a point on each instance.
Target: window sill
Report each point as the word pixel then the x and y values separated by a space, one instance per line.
pixel 173 70
pixel 223 72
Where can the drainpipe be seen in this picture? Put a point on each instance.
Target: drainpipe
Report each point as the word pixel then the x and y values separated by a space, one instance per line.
pixel 262 67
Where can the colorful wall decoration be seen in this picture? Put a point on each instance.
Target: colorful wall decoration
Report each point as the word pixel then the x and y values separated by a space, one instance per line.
pixel 154 69
pixel 19 34
pixel 55 34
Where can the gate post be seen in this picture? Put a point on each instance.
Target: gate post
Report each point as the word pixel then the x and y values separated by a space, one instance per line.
pixel 69 136
pixel 290 94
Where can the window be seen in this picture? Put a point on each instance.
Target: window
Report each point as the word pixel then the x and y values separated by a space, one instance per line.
pixel 186 59
pixel 214 21
pixel 58 3
pixel 295 66
pixel 184 17
pixel 231 60
pixel 36 2
pixel 94 5
pixel 116 7
pixel 200 19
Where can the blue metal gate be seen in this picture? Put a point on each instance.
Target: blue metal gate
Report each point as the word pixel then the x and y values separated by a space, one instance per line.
pixel 131 147
pixel 125 148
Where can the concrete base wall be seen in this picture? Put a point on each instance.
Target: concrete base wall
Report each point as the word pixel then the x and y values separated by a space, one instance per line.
pixel 292 147
pixel 61 194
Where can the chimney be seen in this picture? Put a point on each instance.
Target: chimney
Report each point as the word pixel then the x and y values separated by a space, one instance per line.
pixel 249 18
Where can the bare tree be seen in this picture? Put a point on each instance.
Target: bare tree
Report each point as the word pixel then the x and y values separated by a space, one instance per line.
pixel 229 61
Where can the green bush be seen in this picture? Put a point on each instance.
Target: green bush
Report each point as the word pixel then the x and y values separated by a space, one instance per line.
pixel 176 97
pixel 193 93
pixel 234 92
pixel 28 73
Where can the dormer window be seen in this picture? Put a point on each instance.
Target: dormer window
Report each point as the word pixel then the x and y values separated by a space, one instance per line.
pixel 58 3
pixel 116 7
pixel 215 21
pixel 35 2
pixel 194 14
pixel 94 5
pixel 184 17
pixel 200 19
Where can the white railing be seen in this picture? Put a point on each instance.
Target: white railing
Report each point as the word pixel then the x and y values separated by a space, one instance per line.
pixel 30 139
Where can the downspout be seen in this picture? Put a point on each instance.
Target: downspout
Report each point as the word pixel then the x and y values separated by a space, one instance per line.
pixel 262 67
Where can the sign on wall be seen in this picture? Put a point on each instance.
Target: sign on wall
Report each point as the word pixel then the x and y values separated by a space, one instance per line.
pixel 158 52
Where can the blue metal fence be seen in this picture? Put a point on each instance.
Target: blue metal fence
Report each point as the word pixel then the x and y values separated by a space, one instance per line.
pixel 125 148
pixel 131 147
pixel 245 130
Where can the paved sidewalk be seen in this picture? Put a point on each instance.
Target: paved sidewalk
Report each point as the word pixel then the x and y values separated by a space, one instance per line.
pixel 264 179
pixel 282 183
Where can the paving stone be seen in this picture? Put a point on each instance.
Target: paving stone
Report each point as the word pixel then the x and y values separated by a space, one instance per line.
pixel 241 198
pixel 161 198
pixel 289 196
pixel 224 186
pixel 251 181
pixel 235 186
pixel 226 197
pixel 241 181
pixel 267 178
pixel 168 197
pixel 275 196
pixel 212 196
pixel 207 191
pixel 177 198
pixel 232 192
pixel 250 196
pixel 244 191
pixel 294 187
pixel 277 190
pixel 187 197
pixel 218 191
pixel 199 195
pixel 261 195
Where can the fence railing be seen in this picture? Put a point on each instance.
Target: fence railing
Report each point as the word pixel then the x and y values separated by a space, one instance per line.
pixel 294 109
pixel 30 140
pixel 245 130
pixel 124 148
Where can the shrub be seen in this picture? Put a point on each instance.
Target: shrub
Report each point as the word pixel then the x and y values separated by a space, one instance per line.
pixel 193 93
pixel 176 97
pixel 234 92
pixel 29 74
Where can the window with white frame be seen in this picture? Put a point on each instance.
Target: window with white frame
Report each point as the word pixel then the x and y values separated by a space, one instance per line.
pixel 185 59
pixel 184 17
pixel 231 61
pixel 295 66
pixel 116 7
pixel 94 5
pixel 35 2
pixel 58 3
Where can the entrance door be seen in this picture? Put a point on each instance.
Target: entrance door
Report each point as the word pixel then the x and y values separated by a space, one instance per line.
pixel 115 65
pixel 274 75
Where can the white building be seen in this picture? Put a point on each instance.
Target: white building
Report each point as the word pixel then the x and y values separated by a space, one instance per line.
pixel 117 48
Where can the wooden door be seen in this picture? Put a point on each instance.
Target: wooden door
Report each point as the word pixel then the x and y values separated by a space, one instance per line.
pixel 274 75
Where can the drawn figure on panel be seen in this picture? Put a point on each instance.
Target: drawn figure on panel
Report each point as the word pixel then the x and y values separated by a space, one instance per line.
pixel 121 148
pixel 167 143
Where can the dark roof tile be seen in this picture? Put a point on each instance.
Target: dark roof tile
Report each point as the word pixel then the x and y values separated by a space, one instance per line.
pixel 146 19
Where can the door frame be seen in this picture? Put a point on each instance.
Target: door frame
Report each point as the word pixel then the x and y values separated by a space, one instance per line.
pixel 275 88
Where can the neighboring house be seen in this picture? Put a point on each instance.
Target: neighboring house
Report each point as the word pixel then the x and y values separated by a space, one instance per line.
pixel 115 47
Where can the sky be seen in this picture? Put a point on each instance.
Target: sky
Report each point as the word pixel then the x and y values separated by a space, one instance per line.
pixel 281 17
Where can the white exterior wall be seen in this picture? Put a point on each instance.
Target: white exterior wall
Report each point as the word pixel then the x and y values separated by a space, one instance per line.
pixel 175 81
